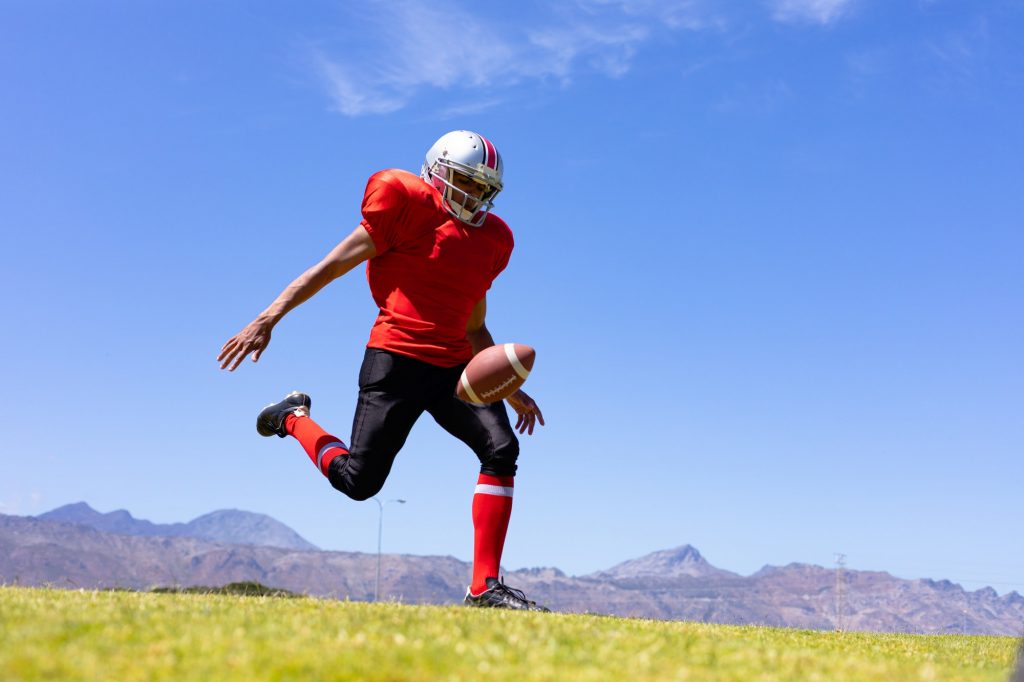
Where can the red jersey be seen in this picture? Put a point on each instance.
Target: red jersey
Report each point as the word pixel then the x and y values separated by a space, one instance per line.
pixel 430 270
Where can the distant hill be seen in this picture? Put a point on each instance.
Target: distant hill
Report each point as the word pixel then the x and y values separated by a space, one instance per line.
pixel 226 525
pixel 676 584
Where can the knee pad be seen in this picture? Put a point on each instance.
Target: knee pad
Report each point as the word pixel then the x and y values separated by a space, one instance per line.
pixel 501 461
pixel 359 488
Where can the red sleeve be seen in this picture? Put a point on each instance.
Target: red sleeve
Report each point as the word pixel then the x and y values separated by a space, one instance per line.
pixel 506 245
pixel 384 205
pixel 502 263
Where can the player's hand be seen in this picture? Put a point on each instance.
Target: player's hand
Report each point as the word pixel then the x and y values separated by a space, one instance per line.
pixel 252 340
pixel 526 408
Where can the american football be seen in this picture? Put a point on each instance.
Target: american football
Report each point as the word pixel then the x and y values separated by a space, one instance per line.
pixel 495 373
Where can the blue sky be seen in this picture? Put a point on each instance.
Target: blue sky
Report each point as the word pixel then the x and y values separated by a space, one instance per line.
pixel 769 254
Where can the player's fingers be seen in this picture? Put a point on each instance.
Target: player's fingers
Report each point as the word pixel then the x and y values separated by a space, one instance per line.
pixel 540 417
pixel 226 359
pixel 225 349
pixel 238 359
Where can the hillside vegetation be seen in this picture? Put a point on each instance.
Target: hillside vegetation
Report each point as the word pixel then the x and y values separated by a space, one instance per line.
pixel 89 635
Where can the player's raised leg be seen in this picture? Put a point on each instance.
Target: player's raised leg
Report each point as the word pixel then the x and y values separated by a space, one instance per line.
pixel 391 389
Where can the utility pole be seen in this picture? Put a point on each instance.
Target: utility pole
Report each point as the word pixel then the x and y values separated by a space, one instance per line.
pixel 380 535
pixel 840 563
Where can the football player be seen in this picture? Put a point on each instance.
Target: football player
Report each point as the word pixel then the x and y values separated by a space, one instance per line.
pixel 432 248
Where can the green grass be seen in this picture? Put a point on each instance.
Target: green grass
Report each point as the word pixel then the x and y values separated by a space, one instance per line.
pixel 82 635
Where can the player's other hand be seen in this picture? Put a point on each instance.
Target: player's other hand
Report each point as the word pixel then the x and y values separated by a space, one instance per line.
pixel 252 340
pixel 526 408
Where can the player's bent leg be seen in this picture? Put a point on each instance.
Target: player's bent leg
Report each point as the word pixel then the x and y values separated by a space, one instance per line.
pixel 485 429
pixel 382 423
pixel 357 484
pixel 388 407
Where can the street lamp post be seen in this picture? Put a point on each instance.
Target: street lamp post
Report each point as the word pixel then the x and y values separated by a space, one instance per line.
pixel 380 534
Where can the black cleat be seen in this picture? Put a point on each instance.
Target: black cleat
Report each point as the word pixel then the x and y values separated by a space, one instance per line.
pixel 271 419
pixel 498 595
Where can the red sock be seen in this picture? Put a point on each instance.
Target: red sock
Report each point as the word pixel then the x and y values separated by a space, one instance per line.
pixel 321 446
pixel 492 508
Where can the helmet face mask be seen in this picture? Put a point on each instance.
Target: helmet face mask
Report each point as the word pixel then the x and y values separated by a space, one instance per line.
pixel 464 158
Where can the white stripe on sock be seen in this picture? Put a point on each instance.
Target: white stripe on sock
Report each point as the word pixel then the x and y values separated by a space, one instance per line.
pixel 499 490
pixel 323 451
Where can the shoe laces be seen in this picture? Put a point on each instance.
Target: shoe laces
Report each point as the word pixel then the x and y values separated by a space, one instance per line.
pixel 513 592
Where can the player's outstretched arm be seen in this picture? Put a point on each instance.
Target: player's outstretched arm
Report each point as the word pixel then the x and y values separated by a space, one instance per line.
pixel 255 337
pixel 479 338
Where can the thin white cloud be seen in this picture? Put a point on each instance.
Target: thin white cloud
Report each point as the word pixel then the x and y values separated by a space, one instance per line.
pixel 693 15
pixel 606 51
pixel 407 47
pixel 470 107
pixel 353 97
pixel 413 53
pixel 964 49
pixel 809 11
pixel 398 49
pixel 953 61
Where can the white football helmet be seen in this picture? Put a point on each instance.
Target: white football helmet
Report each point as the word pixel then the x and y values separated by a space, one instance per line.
pixel 473 156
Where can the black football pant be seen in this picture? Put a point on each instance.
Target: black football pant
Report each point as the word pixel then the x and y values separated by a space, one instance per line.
pixel 394 390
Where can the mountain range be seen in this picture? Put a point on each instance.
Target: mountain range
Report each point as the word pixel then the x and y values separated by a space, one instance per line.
pixel 77 547
pixel 225 525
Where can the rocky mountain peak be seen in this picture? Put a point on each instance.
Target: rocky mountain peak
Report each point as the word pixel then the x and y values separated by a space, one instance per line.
pixel 686 553
pixel 69 512
pixel 242 527
pixel 684 561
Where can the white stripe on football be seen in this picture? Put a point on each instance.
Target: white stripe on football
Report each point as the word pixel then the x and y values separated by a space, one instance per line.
pixel 495 373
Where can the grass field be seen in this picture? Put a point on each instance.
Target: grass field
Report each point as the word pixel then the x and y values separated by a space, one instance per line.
pixel 82 635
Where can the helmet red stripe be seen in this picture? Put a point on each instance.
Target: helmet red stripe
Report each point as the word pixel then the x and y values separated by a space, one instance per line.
pixel 490 153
